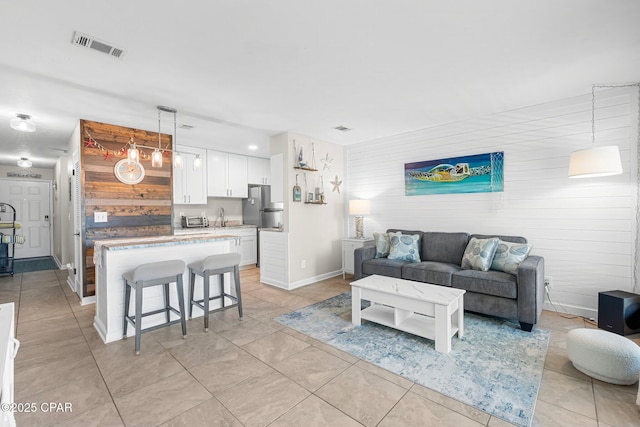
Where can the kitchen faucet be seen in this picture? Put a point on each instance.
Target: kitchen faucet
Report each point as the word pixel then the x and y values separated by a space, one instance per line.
pixel 221 215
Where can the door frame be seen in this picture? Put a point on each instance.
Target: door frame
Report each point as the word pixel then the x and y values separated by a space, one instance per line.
pixel 51 213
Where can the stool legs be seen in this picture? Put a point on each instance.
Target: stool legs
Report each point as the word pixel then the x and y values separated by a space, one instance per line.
pixel 127 298
pixel 205 280
pixel 138 317
pixel 183 319
pixel 192 283
pixel 166 302
pixel 236 277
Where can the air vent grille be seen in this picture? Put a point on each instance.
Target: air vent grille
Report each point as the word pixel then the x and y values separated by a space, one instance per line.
pixel 186 126
pixel 89 42
pixel 342 128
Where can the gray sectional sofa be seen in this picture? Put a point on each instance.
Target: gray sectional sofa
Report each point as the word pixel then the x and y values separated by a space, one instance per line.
pixel 516 297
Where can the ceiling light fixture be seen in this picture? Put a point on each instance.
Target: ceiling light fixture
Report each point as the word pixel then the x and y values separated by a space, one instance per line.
pixel 253 147
pixel 596 161
pixel 23 123
pixel 24 162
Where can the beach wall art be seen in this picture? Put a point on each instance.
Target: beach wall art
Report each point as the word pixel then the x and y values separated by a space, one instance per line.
pixel 478 173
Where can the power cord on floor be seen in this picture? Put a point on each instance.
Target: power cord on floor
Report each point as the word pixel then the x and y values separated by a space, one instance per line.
pixel 566 314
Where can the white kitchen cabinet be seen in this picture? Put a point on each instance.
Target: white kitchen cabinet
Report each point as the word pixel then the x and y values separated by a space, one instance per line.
pixel 248 246
pixel 189 183
pixel 226 175
pixel 258 170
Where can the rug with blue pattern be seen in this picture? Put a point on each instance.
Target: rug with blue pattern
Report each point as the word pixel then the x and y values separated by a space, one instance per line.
pixel 496 367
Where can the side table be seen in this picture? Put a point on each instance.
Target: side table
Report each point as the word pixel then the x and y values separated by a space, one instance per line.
pixel 348 246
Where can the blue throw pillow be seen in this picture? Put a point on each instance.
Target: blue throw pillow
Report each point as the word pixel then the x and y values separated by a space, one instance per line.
pixel 509 255
pixel 382 244
pixel 404 247
pixel 479 254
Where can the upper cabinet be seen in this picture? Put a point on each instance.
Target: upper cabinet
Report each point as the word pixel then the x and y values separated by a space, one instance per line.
pixel 226 175
pixel 259 170
pixel 189 183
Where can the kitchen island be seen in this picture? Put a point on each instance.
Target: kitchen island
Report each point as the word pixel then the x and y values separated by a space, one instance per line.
pixel 114 257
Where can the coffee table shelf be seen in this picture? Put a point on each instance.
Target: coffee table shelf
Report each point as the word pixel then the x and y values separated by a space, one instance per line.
pixel 403 320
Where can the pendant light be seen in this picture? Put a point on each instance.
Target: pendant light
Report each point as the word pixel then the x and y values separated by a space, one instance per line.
pixel 197 163
pixel 133 154
pixel 156 156
pixel 595 161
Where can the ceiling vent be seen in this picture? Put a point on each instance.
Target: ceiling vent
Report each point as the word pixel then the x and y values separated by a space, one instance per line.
pixel 186 126
pixel 84 40
pixel 342 128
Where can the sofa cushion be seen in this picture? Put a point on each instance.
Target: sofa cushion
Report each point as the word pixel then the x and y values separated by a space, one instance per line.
pixel 443 247
pixel 411 233
pixel 508 256
pixel 479 254
pixel 494 283
pixel 383 267
pixel 382 244
pixel 404 247
pixel 437 273
pixel 512 239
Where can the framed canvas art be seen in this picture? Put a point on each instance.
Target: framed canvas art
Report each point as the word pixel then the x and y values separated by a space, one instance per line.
pixel 477 173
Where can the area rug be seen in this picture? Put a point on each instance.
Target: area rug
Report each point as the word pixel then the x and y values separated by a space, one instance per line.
pixel 496 367
pixel 34 264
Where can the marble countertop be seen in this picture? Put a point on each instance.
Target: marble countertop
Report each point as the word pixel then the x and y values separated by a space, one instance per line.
pixel 146 242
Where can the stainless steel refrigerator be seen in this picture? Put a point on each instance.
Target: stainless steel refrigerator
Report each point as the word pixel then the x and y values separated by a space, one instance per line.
pixel 258 210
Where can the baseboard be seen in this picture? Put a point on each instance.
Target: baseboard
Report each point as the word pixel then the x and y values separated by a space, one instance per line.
pixel 300 283
pixel 102 331
pixel 88 300
pixel 589 313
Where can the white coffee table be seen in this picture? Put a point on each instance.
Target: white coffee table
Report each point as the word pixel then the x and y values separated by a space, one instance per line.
pixel 430 311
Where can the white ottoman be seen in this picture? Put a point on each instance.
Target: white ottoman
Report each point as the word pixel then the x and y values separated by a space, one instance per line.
pixel 604 355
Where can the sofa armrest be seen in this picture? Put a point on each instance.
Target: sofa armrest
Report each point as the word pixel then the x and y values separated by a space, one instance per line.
pixel 359 256
pixel 530 289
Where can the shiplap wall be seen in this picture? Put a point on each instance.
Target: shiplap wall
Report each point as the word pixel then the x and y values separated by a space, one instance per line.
pixel 585 228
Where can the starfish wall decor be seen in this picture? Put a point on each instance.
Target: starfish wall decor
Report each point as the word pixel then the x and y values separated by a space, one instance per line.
pixel 336 184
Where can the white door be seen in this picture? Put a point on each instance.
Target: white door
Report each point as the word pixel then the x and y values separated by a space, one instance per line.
pixel 31 200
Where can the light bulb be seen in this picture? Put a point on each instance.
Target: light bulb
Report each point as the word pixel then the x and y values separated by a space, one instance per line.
pixel 156 159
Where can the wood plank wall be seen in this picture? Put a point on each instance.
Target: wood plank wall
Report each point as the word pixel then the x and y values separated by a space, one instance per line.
pixel 138 210
pixel 584 228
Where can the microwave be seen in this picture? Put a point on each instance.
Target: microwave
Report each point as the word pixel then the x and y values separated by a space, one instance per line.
pixel 195 221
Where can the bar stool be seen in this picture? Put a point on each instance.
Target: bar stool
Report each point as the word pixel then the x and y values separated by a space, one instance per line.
pixel 210 266
pixel 153 274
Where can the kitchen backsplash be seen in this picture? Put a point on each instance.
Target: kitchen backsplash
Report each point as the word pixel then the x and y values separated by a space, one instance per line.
pixel 232 211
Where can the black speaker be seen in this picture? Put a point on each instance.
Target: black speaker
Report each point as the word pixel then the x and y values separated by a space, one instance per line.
pixel 619 312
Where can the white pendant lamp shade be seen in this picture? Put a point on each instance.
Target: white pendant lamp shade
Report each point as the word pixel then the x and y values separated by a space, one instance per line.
pixel 133 155
pixel 595 162
pixel 23 123
pixel 156 159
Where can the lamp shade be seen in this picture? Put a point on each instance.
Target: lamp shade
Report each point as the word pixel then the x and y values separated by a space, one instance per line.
pixel 595 162
pixel 359 207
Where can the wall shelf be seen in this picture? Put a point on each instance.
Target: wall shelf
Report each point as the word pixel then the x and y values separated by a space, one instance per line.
pixel 315 203
pixel 305 168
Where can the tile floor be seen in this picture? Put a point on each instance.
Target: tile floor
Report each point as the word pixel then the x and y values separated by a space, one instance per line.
pixel 254 372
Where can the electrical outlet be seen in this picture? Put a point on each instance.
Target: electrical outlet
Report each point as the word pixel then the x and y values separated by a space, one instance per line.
pixel 547 282
pixel 303 263
pixel 99 217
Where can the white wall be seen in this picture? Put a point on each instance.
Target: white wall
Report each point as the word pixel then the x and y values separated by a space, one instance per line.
pixel 584 228
pixel 315 231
